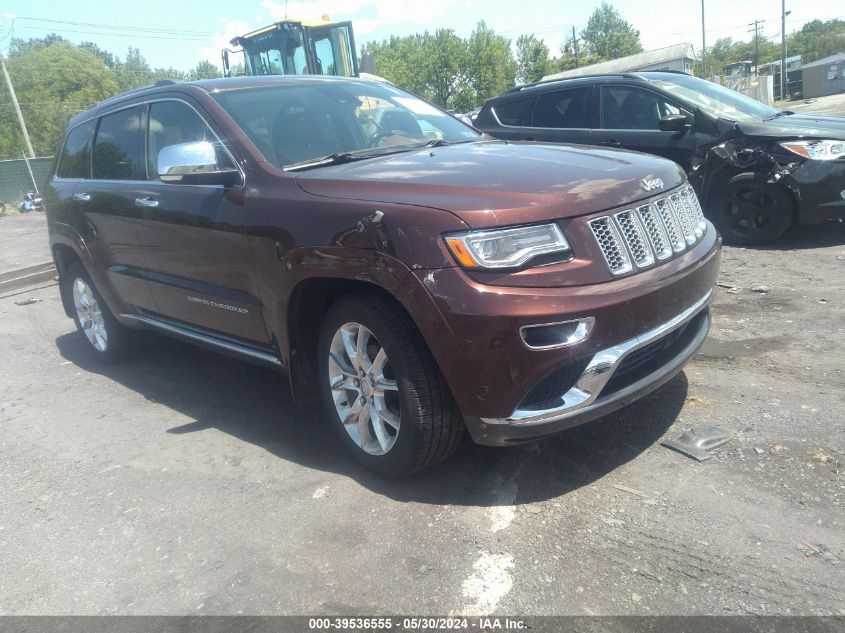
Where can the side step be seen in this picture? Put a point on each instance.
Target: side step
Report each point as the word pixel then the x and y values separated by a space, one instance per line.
pixel 224 345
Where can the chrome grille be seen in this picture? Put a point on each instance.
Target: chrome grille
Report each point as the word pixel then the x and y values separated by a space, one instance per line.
pixel 636 238
pixel 656 231
pixel 615 254
pixel 685 221
pixel 676 237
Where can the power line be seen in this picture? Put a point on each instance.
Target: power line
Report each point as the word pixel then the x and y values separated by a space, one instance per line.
pixel 120 28
pixel 115 34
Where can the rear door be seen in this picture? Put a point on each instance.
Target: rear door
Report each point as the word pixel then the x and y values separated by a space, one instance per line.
pixel 563 116
pixel 107 200
pixel 198 261
pixel 630 118
pixel 555 116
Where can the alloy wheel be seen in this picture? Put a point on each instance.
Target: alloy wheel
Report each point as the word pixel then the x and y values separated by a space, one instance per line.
pixel 90 315
pixel 364 388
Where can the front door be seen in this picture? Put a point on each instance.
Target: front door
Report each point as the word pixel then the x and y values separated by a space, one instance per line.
pixel 630 118
pixel 198 261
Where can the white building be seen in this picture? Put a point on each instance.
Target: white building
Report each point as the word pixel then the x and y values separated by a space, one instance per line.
pixel 676 57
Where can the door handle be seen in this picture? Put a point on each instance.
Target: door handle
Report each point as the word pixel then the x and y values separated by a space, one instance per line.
pixel 611 143
pixel 528 138
pixel 82 196
pixel 148 202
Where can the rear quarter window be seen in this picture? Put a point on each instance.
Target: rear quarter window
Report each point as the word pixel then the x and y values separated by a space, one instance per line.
pixel 515 112
pixel 75 160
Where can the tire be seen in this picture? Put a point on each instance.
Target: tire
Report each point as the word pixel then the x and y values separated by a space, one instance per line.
pixel 404 390
pixel 748 211
pixel 105 338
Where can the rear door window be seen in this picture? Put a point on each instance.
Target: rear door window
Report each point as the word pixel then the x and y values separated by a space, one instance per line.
pixel 75 161
pixel 516 112
pixel 119 147
pixel 563 109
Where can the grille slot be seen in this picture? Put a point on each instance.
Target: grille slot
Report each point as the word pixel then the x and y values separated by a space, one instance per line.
pixel 676 237
pixel 614 251
pixel 684 220
pixel 636 238
pixel 656 231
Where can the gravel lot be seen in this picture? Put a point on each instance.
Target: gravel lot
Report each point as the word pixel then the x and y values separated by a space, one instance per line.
pixel 183 482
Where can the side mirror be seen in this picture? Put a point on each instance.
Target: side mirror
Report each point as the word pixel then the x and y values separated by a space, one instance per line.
pixel 194 164
pixel 674 123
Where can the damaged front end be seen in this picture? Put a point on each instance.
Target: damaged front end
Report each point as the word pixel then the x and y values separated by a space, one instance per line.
pixel 754 186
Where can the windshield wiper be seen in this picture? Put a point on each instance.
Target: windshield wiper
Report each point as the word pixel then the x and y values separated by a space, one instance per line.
pixel 332 159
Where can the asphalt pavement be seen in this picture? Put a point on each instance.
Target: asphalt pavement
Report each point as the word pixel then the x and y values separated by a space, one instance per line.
pixel 184 482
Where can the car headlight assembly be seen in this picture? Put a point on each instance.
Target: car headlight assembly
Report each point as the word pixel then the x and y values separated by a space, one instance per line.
pixel 816 150
pixel 509 248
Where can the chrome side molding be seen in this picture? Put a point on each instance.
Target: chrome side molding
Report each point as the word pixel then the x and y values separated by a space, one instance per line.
pixel 205 339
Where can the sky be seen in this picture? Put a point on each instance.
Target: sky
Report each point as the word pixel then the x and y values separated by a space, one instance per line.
pixel 180 33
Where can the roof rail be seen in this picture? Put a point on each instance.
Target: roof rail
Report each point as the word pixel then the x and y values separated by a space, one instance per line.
pixel 543 82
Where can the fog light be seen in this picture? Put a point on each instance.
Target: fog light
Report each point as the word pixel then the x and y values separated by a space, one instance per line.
pixel 560 334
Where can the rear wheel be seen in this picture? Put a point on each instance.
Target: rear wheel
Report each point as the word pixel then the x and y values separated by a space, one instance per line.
pixel 750 211
pixel 105 338
pixel 382 388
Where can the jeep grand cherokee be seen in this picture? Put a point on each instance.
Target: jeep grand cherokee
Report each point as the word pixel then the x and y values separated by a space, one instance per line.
pixel 421 278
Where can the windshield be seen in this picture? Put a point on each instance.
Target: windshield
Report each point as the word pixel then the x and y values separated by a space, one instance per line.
pixel 297 122
pixel 712 98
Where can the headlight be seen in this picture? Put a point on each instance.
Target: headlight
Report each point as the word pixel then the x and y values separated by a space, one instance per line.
pixel 817 150
pixel 507 248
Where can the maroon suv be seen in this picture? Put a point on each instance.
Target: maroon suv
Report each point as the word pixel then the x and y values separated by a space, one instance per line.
pixel 419 277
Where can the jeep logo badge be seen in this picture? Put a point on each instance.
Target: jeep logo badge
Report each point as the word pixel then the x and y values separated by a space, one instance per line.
pixel 650 184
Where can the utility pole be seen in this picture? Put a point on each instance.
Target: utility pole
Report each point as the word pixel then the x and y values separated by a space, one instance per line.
pixel 757 24
pixel 17 107
pixel 575 47
pixel 703 46
pixel 783 73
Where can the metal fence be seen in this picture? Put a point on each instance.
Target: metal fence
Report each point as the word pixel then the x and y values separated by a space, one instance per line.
pixel 15 180
pixel 760 88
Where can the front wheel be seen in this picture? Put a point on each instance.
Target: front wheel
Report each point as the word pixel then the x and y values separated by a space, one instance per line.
pixel 382 389
pixel 749 211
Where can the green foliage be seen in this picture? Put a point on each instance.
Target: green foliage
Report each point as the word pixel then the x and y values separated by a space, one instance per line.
pixel 453 72
pixel 609 36
pixel 55 79
pixel 532 59
pixel 205 70
pixel 53 82
pixel 817 39
pixel 814 41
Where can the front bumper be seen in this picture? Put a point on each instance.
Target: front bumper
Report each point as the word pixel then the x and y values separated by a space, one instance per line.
pixel 594 394
pixel 819 186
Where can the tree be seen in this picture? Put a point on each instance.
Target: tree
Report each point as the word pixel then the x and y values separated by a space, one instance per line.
pixel 53 83
pixel 491 68
pixel 608 36
pixel 817 39
pixel 455 73
pixel 532 59
pixel 108 59
pixel 205 70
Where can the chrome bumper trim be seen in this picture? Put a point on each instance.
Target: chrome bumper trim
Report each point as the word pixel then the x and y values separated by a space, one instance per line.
pixel 599 371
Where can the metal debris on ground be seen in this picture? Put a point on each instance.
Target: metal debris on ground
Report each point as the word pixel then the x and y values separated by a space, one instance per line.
pixel 697 441
pixel 26 302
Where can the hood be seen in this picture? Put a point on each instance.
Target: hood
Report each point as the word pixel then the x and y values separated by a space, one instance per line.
pixel 493 183
pixel 799 125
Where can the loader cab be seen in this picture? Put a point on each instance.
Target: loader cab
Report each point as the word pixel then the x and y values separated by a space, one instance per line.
pixel 298 48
